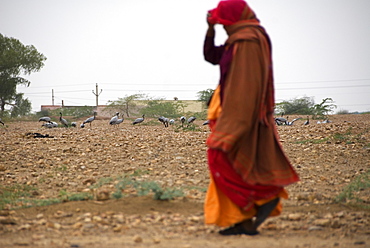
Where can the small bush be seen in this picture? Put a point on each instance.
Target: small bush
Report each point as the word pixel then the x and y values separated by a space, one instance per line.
pixel 357 188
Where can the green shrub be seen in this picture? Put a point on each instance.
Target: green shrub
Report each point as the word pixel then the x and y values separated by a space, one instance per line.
pixel 353 191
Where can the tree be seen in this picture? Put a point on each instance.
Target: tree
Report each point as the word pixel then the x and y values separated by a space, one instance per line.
pixel 306 106
pixel 21 106
pixel 16 59
pixel 156 108
pixel 301 106
pixel 205 95
pixel 125 104
pixel 76 112
pixel 324 108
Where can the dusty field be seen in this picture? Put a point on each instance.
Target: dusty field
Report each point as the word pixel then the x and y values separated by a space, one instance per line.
pixel 103 162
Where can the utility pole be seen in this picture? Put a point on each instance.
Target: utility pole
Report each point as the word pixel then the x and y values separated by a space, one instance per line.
pixel 97 95
pixel 52 96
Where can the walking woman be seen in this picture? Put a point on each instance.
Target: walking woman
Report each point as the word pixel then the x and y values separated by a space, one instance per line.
pixel 248 167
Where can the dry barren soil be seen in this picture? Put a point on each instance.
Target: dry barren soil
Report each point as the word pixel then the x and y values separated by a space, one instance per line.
pixel 96 186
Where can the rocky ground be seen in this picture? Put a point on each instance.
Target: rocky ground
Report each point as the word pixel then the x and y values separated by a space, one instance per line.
pixel 97 177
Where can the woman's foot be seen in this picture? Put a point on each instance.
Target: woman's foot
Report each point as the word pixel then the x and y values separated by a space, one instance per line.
pixel 264 211
pixel 249 227
pixel 246 227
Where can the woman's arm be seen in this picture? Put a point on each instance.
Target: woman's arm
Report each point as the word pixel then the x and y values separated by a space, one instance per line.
pixel 211 52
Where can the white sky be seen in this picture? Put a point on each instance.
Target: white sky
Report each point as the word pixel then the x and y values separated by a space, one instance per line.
pixel 320 48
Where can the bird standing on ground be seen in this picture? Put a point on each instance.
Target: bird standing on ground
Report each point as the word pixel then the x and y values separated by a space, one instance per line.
pixel 161 119
pixel 73 124
pixel 119 121
pixel 45 118
pixel 164 120
pixel 47 124
pixel 290 123
pixel 172 121
pixel 114 119
pixel 50 124
pixel 89 120
pixel 307 121
pixel 62 120
pixel 182 119
pixel 191 120
pixel 281 121
pixel 138 120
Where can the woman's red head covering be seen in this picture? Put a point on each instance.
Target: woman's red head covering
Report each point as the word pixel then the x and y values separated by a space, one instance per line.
pixel 229 12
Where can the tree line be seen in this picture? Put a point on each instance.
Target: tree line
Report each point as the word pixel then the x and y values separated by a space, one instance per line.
pixel 17 60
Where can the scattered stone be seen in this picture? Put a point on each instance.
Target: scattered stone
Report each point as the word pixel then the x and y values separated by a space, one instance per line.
pixel 360 243
pixel 6 220
pixel 39 216
pixel 102 195
pixel 315 228
pixel 89 181
pixel 4 212
pixel 22 243
pixel 156 240
pixel 270 226
pixel 322 222
pixel 117 228
pixel 295 216
pixel 24 227
pixel 77 225
pixel 138 239
pixel 38 236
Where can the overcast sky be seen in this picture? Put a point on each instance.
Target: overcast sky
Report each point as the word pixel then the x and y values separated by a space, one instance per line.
pixel 320 48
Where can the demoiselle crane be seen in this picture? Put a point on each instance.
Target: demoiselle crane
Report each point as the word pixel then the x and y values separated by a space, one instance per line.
pixel 90 119
pixel 62 120
pixel 114 119
pixel 138 120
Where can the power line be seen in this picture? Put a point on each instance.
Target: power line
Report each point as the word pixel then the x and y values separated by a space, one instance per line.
pixel 55 86
pixel 69 91
pixel 196 84
pixel 192 90
pixel 324 81
pixel 355 105
pixel 324 87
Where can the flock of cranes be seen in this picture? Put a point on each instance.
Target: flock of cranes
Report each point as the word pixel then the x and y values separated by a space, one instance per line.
pixel 284 121
pixel 183 120
pixel 114 121
pixel 50 124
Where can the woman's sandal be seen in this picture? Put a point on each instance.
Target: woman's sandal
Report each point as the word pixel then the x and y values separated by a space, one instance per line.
pixel 264 211
pixel 239 229
pixel 248 227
